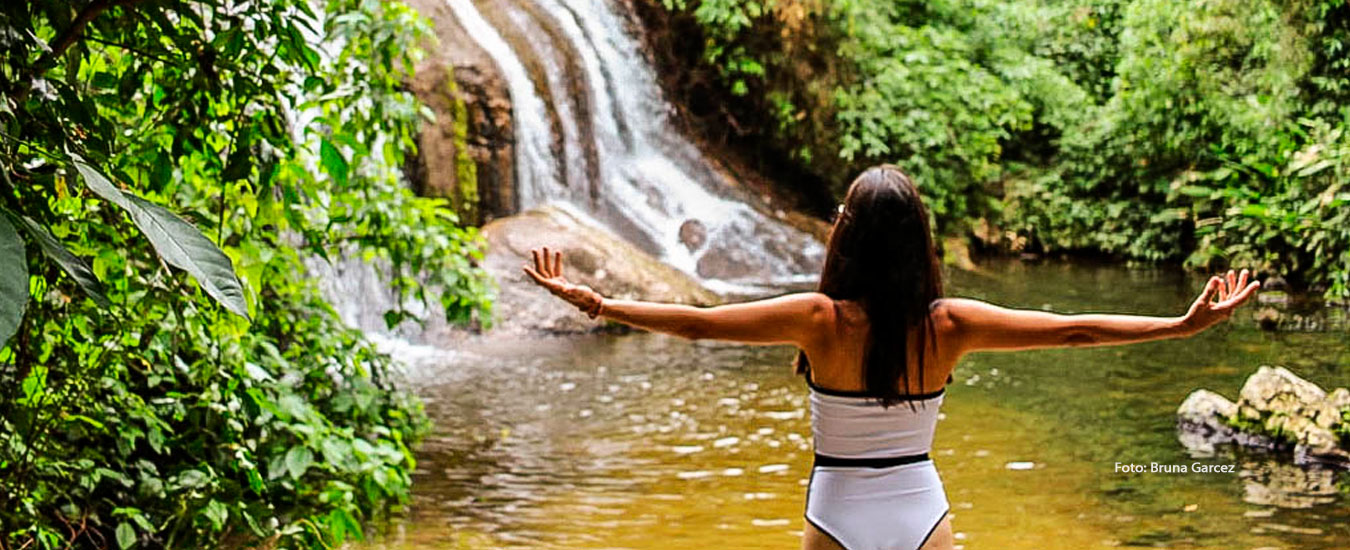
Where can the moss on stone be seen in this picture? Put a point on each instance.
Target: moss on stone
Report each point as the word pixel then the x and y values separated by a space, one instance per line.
pixel 465 200
pixel 1262 426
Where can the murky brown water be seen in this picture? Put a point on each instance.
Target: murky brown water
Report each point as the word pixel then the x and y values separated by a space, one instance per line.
pixel 647 441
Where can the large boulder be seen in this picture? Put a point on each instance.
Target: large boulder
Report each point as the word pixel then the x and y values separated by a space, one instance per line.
pixel 1278 391
pixel 591 256
pixel 1296 409
pixel 467 154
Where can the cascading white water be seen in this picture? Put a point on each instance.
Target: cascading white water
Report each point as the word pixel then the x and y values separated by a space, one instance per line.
pixel 647 182
pixel 534 158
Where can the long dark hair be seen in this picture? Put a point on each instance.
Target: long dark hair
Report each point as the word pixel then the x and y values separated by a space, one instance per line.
pixel 881 255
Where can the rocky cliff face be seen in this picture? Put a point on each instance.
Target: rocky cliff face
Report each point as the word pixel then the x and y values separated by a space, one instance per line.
pixel 467 154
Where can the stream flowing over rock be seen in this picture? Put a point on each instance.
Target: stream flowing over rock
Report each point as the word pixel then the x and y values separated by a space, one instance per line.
pixel 592 131
pixel 550 130
pixel 1276 411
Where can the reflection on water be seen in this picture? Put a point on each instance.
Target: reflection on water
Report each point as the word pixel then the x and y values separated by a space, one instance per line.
pixel 647 441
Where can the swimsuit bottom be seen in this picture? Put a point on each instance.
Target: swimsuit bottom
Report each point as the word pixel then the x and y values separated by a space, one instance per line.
pixel 876 503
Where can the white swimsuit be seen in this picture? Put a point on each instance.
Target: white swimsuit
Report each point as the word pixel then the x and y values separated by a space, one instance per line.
pixel 873 486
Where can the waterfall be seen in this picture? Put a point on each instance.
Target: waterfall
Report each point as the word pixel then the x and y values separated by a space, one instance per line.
pixel 534 159
pixel 595 136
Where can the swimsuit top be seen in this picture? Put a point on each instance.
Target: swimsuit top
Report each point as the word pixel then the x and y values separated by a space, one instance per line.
pixel 855 425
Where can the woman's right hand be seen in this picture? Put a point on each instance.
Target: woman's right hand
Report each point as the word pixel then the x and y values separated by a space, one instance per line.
pixel 1230 290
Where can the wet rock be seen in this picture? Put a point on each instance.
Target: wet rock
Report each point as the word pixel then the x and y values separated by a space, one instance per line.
pixel 467 154
pixel 591 256
pixel 956 252
pixel 1274 283
pixel 1277 410
pixel 1339 399
pixel 727 261
pixel 1284 399
pixel 726 256
pixel 1202 421
pixel 693 234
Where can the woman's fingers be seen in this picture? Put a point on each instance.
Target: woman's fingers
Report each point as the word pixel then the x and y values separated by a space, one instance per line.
pixel 540 278
pixel 547 262
pixel 532 273
pixel 1241 297
pixel 1210 288
pixel 550 284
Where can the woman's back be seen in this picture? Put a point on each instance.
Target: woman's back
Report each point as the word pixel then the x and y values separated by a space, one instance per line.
pixel 836 359
pixel 873 484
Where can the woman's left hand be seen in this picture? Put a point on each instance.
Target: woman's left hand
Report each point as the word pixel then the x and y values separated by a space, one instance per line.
pixel 547 273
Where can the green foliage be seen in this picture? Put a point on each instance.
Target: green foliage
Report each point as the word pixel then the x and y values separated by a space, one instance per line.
pixel 941 86
pixel 176 241
pixel 1210 148
pixel 1259 426
pixel 725 21
pixel 1209 131
pixel 174 379
pixel 466 170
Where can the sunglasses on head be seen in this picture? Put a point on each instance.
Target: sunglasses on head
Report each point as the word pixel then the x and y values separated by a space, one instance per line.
pixel 838 213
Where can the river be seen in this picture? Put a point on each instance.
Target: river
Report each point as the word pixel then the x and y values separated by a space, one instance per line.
pixel 649 441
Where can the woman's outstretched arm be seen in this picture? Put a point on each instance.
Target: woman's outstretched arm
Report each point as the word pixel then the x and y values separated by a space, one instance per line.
pixel 788 319
pixel 981 326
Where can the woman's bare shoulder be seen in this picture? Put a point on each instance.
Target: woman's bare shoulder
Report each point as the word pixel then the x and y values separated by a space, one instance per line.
pixel 949 312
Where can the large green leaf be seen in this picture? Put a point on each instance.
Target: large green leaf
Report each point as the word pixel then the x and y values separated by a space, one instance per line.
pixel 333 162
pixel 216 513
pixel 74 266
pixel 13 280
pixel 126 536
pixel 177 241
pixel 298 460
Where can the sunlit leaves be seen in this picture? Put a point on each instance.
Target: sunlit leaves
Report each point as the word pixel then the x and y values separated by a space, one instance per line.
pixel 298 460
pixel 216 513
pixel 333 162
pixel 126 535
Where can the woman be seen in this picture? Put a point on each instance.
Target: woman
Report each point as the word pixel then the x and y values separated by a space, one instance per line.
pixel 878 343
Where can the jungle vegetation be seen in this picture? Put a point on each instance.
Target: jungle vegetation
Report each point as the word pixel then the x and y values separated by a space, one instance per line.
pixel 170 377
pixel 1205 132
